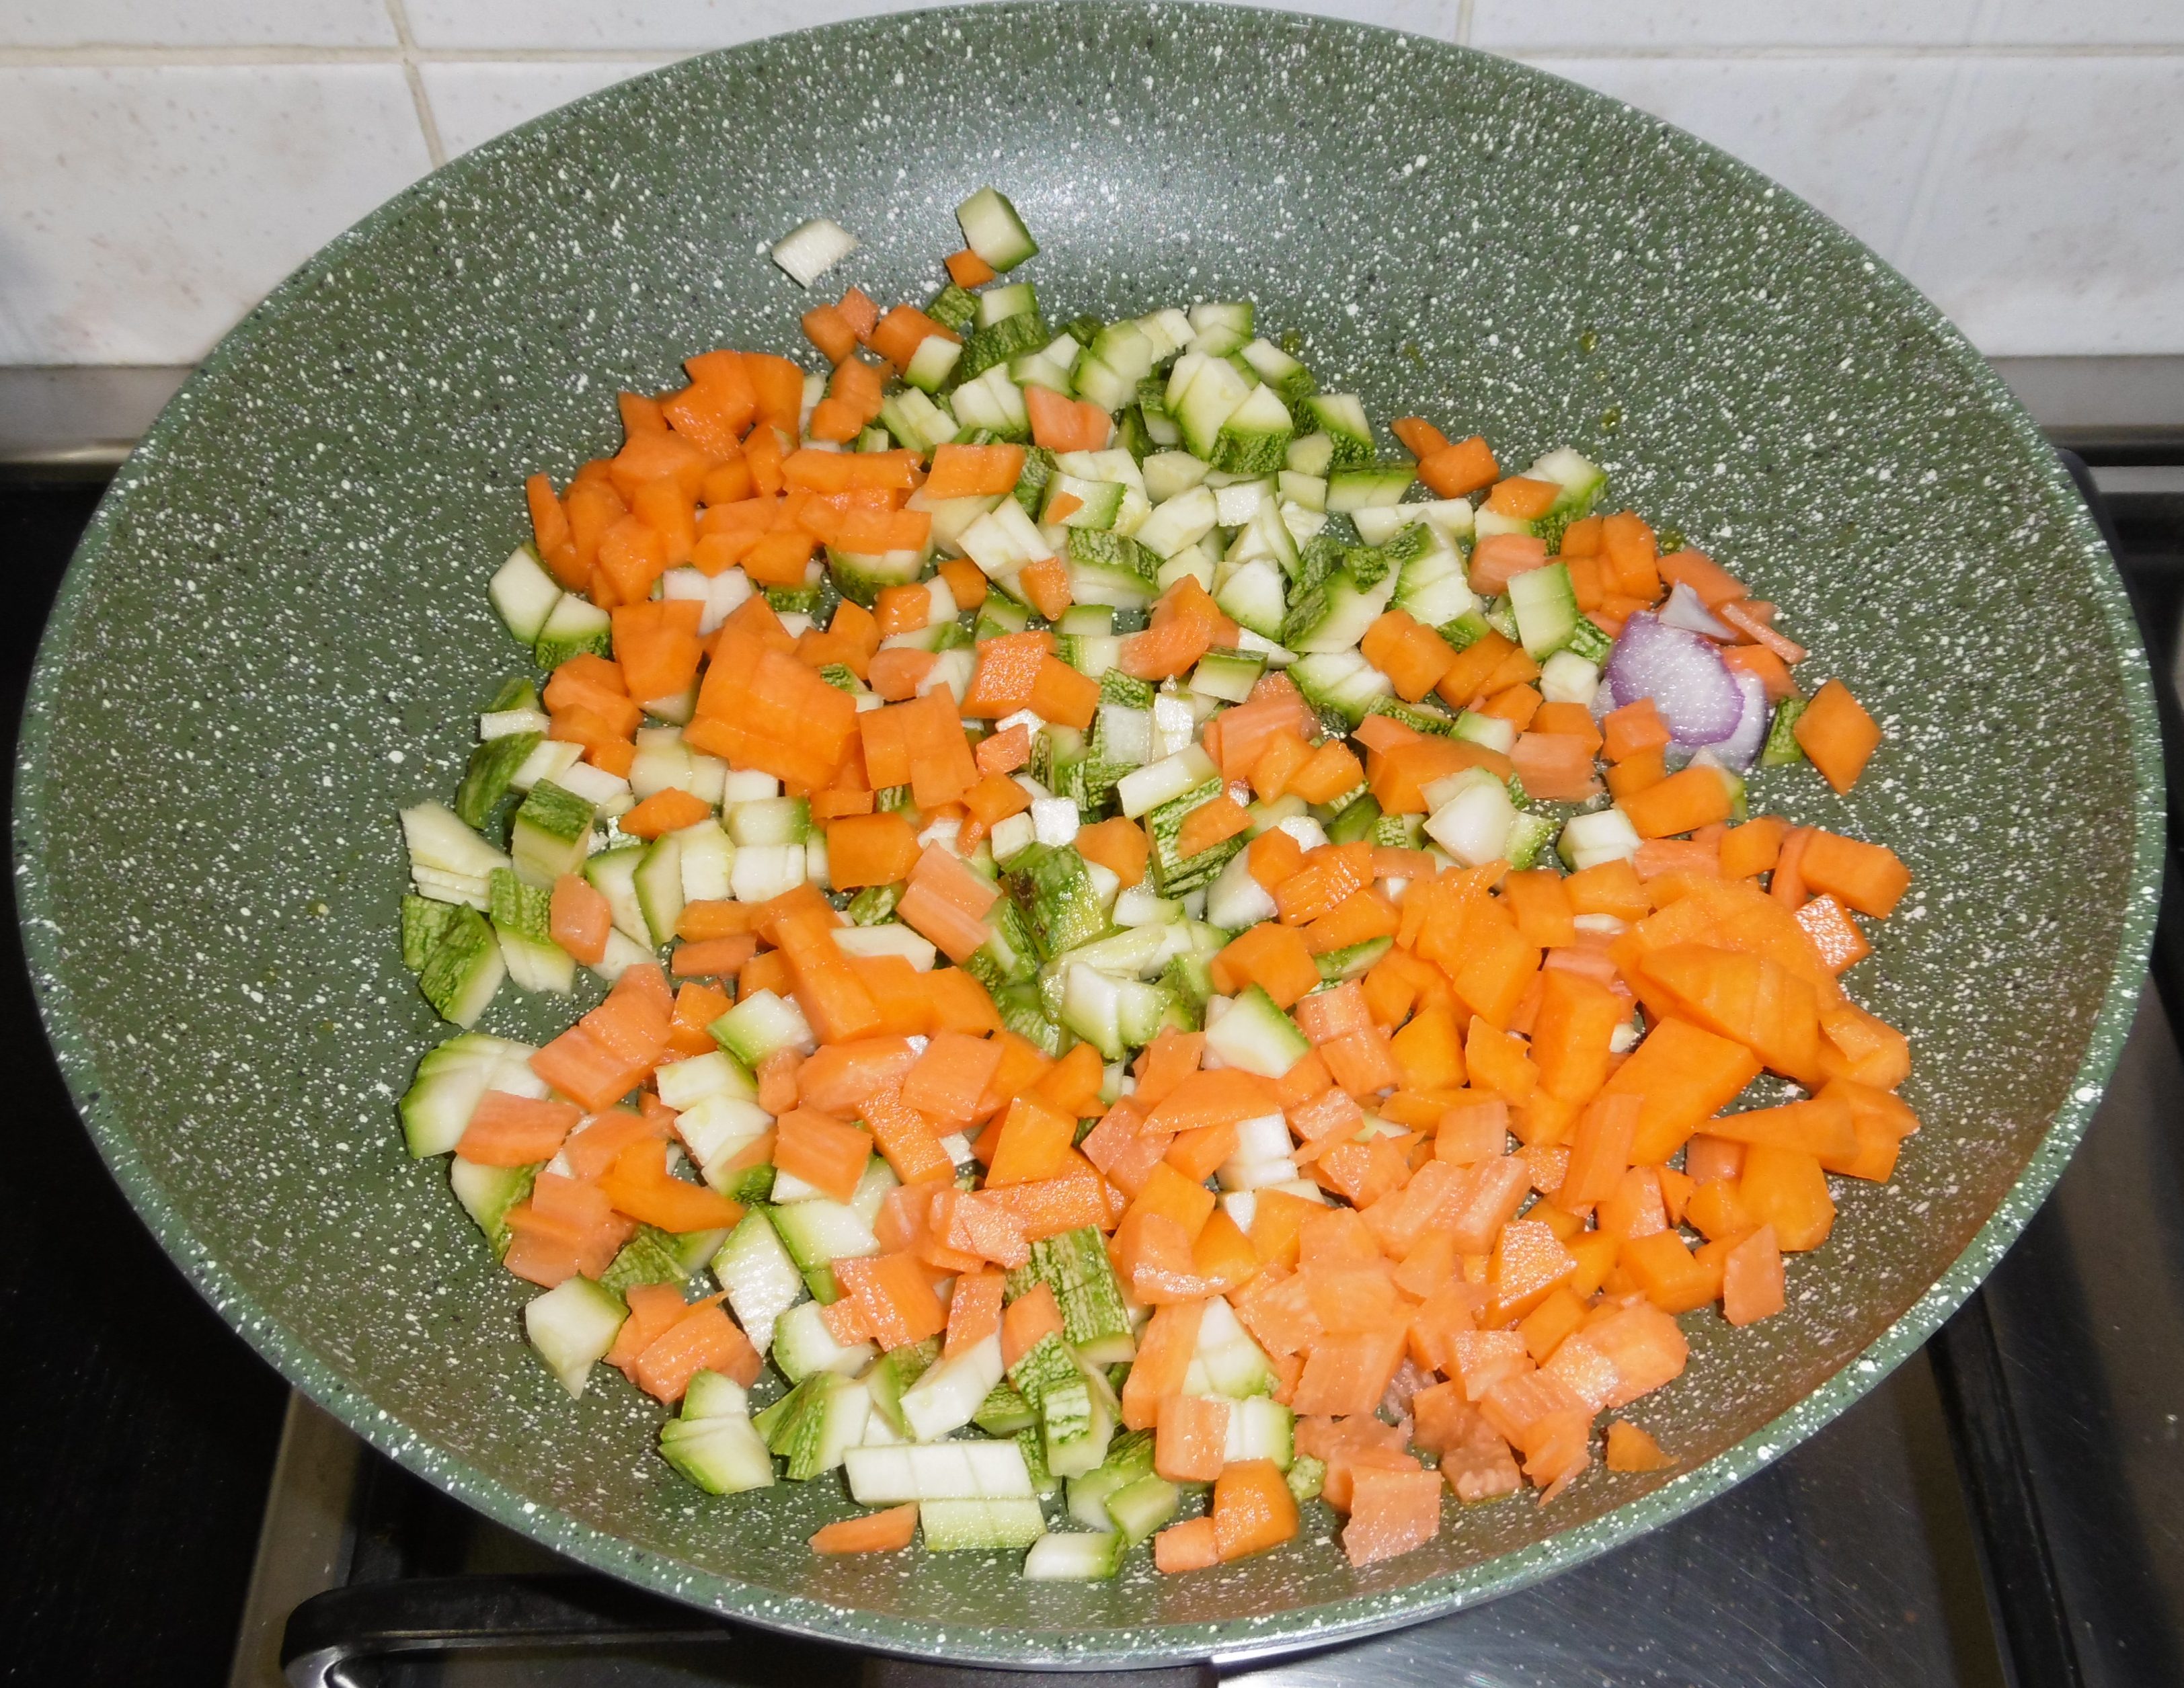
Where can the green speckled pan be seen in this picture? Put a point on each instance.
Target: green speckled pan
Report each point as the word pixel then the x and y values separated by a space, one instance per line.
pixel 277 628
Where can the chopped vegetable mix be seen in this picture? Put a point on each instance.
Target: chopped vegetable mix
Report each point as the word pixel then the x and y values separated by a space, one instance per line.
pixel 1167 965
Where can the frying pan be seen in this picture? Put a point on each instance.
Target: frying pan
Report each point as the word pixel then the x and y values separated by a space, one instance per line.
pixel 276 627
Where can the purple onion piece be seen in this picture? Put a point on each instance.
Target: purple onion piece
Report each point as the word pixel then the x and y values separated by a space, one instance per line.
pixel 1684 675
pixel 1685 610
pixel 1737 750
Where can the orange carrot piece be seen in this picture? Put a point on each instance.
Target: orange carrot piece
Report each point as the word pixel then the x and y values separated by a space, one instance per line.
pixel 948 1079
pixel 777 1080
pixel 1754 847
pixel 869 849
pixel 968 269
pixel 1392 1512
pixel 1066 424
pixel 1061 695
pixel 1455 471
pixel 1222 1097
pixel 897 335
pixel 831 331
pixel 1837 940
pixel 1193 1545
pixel 1755 621
pixel 506 1130
pixel 1164 1351
pixel 1869 877
pixel 1034 1145
pixel 1271 955
pixel 1071 1085
pixel 1213 823
pixel 1788 1191
pixel 1326 877
pixel 1119 844
pixel 1190 1443
pixel 974 1311
pixel 1253 1510
pixel 946 902
pixel 1664 1270
pixel 1751 1284
pixel 838 1078
pixel 1499 1061
pixel 1682 803
pixel 887 1531
pixel 703 1339
pixel 1163 1064
pixel 1031 1316
pixel 824 1152
pixel 1630 1449
pixel 1002 753
pixel 593 1147
pixel 828 989
pixel 1045 582
pixel 1350 1373
pixel 1500 558
pixel 1632 730
pixel 1600 1152
pixel 1837 733
pixel 964 471
pixel 579 919
pixel 1077 1198
pixel 1713 584
pixel 1683 1076
pixel 1420 437
pixel 697 1005
pixel 1522 497
pixel 639 1185
pixel 655 1309
pixel 713 957
pixel 581 1067
pixel 1554 768
pixel 1332 770
pixel 893 1297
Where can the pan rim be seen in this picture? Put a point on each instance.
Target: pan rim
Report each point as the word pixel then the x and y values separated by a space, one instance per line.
pixel 1287 1631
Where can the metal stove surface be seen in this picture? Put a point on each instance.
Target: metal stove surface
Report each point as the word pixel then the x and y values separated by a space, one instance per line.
pixel 1849 1562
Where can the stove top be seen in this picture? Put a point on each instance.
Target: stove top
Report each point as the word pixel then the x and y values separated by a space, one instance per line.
pixel 2000 1510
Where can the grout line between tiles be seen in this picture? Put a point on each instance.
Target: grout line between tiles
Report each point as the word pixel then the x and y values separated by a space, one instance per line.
pixel 398 14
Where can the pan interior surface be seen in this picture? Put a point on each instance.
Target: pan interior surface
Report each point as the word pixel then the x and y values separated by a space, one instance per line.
pixel 277 629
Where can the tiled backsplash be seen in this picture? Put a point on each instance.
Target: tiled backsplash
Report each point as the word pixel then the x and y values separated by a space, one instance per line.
pixel 162 163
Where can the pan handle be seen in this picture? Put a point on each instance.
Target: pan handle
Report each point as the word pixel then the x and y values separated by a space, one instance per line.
pixel 917 1672
pixel 330 1631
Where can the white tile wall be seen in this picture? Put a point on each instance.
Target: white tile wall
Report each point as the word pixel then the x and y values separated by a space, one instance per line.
pixel 167 161
pixel 474 102
pixel 146 208
pixel 2086 22
pixel 1581 25
pixel 637 25
pixel 196 23
pixel 687 25
pixel 1851 135
pixel 2010 242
